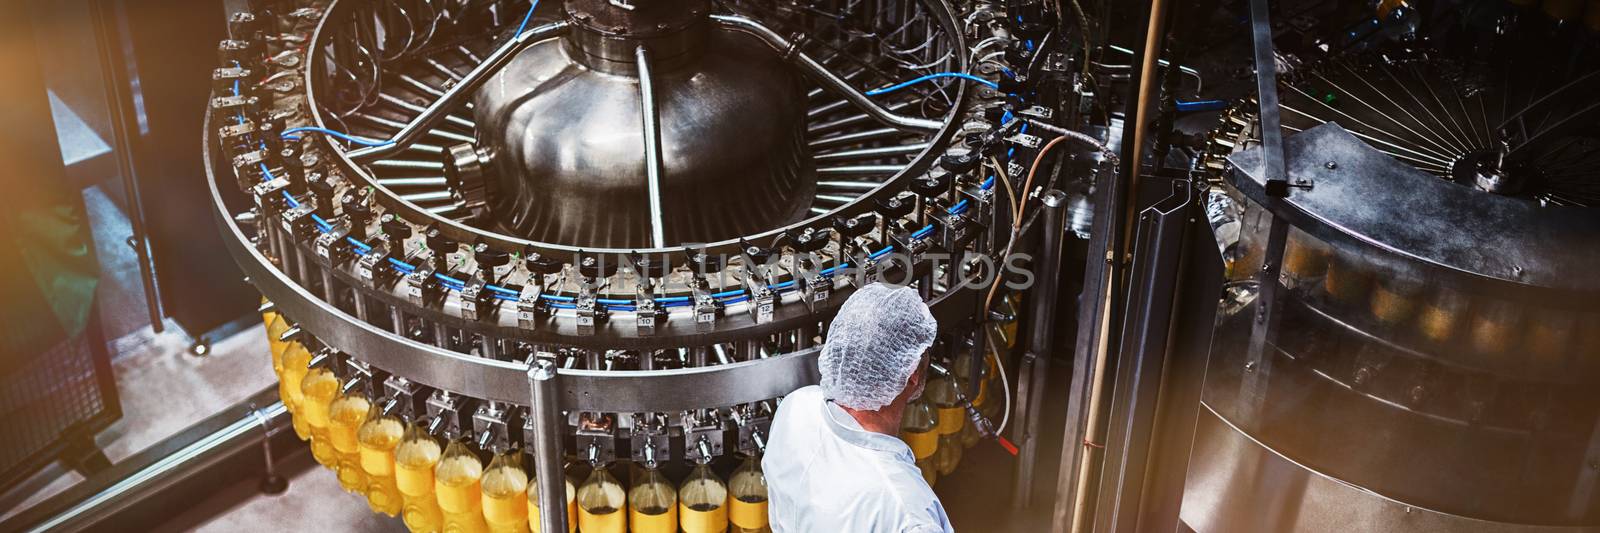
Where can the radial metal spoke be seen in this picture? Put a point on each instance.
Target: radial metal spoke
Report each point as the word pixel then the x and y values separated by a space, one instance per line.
pixel 870 153
pixel 436 181
pixel 858 170
pixel 855 138
pixel 412 164
pixel 426 197
pixel 849 185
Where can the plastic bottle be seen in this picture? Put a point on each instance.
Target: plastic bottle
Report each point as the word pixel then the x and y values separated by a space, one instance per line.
pixel 951 415
pixel 600 504
pixel 414 461
pixel 290 377
pixel 533 505
pixel 456 487
pixel 918 429
pixel 377 439
pixel 505 487
pixel 652 503
pixel 747 498
pixel 345 417
pixel 276 325
pixel 703 502
pixel 318 391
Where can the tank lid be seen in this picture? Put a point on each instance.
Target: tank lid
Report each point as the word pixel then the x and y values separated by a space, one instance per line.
pixel 607 32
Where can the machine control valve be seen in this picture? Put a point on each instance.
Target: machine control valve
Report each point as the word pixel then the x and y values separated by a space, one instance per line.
pixel 269 195
pixel 588 310
pixel 234 105
pixel 224 80
pixel 477 302
pixel 649 439
pixel 445 414
pixel 529 312
pixel 705 307
pixel 372 267
pixel 421 289
pixel 702 435
pixel 297 221
pixel 754 422
pixel 491 422
pixel 402 396
pixel 595 440
pixel 329 245
pixel 647 314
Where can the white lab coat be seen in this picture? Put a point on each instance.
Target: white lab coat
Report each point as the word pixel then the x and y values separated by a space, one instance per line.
pixel 827 475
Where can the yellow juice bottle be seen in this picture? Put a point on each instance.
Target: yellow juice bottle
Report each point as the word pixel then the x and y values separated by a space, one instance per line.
pixel 276 325
pixel 533 505
pixel 345 417
pixel 703 502
pixel 319 389
pixel 505 489
pixel 456 487
pixel 652 503
pixel 951 416
pixel 414 461
pixel 918 428
pixel 295 358
pixel 377 439
pixel 600 504
pixel 747 498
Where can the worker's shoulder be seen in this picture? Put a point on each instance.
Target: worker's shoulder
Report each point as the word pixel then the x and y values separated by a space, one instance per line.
pixel 803 395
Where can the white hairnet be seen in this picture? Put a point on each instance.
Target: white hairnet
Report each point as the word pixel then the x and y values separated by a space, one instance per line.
pixel 874 344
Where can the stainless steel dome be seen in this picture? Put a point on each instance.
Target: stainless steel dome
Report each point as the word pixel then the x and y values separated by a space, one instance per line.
pixel 572 167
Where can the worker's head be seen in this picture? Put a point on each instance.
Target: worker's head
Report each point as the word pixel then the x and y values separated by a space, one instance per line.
pixel 876 346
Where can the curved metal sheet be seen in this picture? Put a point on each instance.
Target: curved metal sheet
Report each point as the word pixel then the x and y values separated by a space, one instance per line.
pixel 1238 485
pixel 1356 193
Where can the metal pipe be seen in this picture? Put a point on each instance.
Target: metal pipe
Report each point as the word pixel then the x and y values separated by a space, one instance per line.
pixel 459 92
pixel 652 146
pixel 236 437
pixel 547 430
pixel 1035 365
pixel 822 75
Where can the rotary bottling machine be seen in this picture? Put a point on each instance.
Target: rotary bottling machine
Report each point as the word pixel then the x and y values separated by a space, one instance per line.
pixel 1347 292
pixel 594 231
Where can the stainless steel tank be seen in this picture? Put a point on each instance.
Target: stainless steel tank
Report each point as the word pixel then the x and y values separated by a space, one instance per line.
pixel 565 114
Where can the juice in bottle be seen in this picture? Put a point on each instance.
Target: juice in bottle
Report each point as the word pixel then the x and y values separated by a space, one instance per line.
pixel 414 462
pixel 747 498
pixel 533 505
pixel 295 359
pixel 918 428
pixel 702 502
pixel 505 487
pixel 653 503
pixel 600 504
pixel 456 487
pixel 345 417
pixel 951 415
pixel 318 391
pixel 276 325
pixel 376 440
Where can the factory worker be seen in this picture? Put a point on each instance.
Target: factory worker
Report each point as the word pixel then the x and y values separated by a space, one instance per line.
pixel 834 462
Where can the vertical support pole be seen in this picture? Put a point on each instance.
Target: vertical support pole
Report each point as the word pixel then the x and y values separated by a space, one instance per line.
pixel 1035 364
pixel 119 102
pixel 1258 362
pixel 547 428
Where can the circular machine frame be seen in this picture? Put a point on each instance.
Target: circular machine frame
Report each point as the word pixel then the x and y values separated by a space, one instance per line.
pixel 582 389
